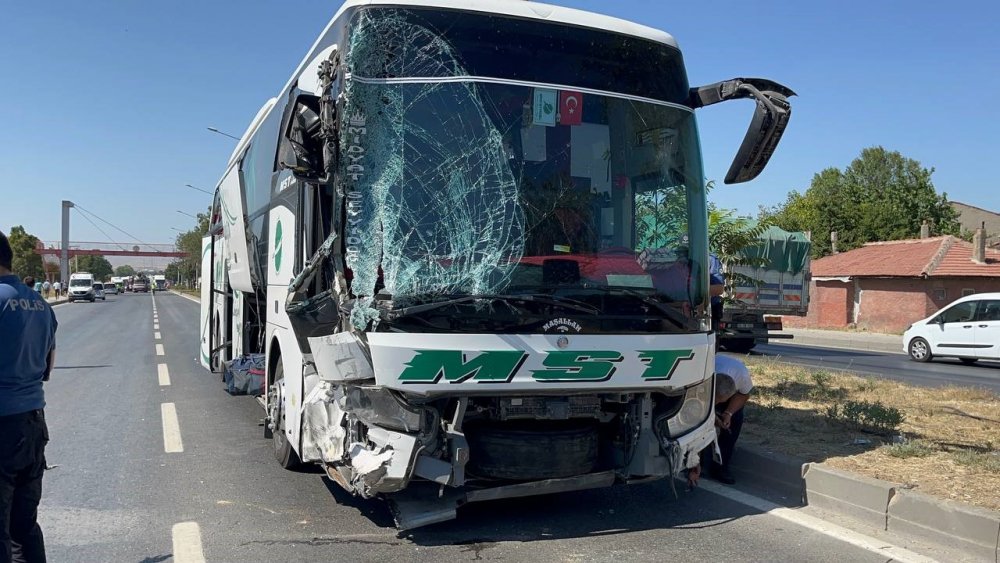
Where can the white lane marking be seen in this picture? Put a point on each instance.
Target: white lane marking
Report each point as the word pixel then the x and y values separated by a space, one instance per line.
pixel 164 374
pixel 156 335
pixel 156 326
pixel 857 539
pixel 171 429
pixel 159 350
pixel 187 543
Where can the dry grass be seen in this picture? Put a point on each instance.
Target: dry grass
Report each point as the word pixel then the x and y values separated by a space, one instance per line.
pixel 948 444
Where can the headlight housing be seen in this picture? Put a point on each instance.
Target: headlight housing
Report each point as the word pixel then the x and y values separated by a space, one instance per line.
pixel 695 409
pixel 377 406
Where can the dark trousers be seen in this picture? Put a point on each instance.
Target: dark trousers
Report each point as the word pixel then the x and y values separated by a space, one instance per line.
pixel 727 441
pixel 22 463
pixel 727 438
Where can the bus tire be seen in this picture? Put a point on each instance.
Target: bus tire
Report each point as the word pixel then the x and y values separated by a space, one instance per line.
pixel 283 452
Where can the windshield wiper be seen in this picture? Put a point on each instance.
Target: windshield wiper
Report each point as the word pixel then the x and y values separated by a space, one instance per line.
pixel 543 298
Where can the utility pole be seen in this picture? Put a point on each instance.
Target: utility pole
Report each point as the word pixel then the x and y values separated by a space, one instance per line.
pixel 64 251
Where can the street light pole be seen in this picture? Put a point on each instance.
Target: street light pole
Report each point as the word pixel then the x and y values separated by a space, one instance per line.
pixel 186 213
pixel 223 133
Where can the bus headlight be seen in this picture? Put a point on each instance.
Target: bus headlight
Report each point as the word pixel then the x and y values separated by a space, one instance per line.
pixel 694 410
pixel 376 406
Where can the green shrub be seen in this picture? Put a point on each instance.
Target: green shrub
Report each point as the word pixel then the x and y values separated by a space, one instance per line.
pixel 910 448
pixel 864 415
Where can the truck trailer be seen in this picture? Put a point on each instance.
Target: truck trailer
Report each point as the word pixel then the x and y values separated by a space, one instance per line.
pixel 470 241
pixel 771 280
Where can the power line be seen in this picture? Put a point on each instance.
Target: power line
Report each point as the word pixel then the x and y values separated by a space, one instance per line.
pixel 113 226
pixel 121 246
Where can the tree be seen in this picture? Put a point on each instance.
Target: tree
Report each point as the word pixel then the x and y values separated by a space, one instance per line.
pixel 881 195
pixel 26 261
pixel 97 265
pixel 124 271
pixel 190 242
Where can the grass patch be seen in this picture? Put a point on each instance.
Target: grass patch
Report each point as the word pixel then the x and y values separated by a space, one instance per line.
pixel 857 424
pixel 985 461
pixel 911 448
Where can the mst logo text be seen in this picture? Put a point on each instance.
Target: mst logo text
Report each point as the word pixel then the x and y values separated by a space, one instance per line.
pixel 500 366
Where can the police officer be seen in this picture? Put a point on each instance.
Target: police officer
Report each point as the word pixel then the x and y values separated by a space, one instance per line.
pixel 27 350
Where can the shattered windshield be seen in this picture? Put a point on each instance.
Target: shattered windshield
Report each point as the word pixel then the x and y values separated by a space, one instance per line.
pixel 482 186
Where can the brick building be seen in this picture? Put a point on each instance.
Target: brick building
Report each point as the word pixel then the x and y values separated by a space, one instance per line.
pixel 885 286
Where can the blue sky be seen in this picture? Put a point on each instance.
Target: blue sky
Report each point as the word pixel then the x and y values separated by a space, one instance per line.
pixel 106 103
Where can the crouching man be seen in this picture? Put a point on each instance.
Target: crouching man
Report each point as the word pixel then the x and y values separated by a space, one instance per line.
pixel 732 390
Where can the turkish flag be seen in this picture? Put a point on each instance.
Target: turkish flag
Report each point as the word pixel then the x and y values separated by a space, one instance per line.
pixel 570 107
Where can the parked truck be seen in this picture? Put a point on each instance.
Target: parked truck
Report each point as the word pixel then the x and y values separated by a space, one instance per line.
pixel 775 284
pixel 472 273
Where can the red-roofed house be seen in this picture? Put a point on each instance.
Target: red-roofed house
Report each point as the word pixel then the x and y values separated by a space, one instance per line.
pixel 885 286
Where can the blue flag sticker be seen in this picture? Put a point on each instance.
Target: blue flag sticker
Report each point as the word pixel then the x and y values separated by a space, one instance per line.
pixel 543 109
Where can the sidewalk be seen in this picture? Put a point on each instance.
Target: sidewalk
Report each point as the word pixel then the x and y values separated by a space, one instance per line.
pixel 872 341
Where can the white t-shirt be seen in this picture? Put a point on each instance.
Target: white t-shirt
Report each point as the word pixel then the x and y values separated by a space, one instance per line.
pixel 735 369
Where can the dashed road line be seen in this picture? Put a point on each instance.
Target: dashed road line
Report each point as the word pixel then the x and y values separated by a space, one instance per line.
pixel 171 429
pixel 156 326
pixel 187 543
pixel 163 374
pixel 159 350
pixel 156 336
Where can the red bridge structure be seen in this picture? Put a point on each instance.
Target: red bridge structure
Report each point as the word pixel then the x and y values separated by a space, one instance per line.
pixel 49 248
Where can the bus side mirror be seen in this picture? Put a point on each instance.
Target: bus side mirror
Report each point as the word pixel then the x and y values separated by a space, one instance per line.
pixel 766 128
pixel 300 150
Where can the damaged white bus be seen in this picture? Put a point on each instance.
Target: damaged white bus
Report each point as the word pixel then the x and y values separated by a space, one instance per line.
pixel 470 240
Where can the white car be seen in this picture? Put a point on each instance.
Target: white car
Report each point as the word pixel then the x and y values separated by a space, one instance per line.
pixel 967 329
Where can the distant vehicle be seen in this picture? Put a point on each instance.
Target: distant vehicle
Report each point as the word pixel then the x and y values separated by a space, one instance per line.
pixel 111 288
pixel 99 291
pixel 776 284
pixel 967 329
pixel 160 281
pixel 81 287
pixel 140 285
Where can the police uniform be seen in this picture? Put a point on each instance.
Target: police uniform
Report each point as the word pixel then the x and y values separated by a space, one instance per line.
pixel 27 335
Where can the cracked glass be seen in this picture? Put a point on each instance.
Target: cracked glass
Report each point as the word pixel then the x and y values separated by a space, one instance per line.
pixel 463 184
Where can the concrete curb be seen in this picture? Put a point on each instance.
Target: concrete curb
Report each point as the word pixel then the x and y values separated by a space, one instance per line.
pixel 185 296
pixel 864 499
pixel 875 504
pixel 769 470
pixel 884 506
pixel 970 529
pixel 847 341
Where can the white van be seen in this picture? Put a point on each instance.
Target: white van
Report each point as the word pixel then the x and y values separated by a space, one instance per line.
pixel 81 287
pixel 967 329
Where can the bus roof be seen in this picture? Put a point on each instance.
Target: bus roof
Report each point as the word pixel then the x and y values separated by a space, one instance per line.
pixel 531 10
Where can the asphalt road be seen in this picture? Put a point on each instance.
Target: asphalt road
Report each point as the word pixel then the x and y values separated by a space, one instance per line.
pixel 116 495
pixel 936 373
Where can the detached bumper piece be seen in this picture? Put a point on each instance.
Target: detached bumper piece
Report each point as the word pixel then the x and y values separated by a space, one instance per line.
pixel 420 504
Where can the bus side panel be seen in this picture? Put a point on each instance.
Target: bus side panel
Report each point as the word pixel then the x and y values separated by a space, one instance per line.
pixel 206 301
pixel 280 264
pixel 234 226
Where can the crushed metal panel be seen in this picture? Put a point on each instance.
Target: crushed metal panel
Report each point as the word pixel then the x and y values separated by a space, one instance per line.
pixel 340 357
pixel 323 433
